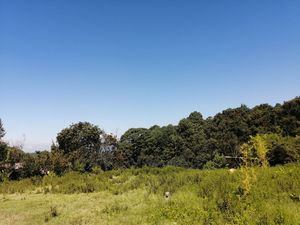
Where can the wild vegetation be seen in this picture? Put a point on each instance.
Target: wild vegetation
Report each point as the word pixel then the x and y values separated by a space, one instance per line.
pixel 214 142
pixel 239 167
pixel 136 196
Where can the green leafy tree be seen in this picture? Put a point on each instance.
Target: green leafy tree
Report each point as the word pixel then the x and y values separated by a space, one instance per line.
pixel 264 149
pixel 264 119
pixel 282 149
pixel 131 144
pixel 229 130
pixel 289 114
pixel 59 162
pixel 14 157
pixel 82 135
pixel 86 144
pixel 218 161
pixel 192 132
pixel 43 160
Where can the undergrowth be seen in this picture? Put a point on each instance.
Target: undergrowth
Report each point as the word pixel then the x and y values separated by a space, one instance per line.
pixel 197 196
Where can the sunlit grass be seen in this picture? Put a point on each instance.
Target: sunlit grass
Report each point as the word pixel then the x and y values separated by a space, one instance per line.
pixel 136 196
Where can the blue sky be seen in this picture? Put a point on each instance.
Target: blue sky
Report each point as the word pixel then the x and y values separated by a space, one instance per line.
pixel 122 64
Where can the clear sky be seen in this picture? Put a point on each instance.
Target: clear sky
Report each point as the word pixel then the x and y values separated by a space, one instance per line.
pixel 122 64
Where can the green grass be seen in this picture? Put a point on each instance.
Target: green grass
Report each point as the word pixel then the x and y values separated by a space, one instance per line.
pixel 136 196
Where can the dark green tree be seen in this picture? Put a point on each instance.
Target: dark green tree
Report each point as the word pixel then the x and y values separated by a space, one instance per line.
pixel 2 130
pixel 231 130
pixel 282 149
pixel 81 142
pixel 263 119
pixel 131 144
pixel 191 130
pixel 80 135
pixel 289 115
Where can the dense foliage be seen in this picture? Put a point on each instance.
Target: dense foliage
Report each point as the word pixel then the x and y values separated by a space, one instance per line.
pixel 195 142
pixel 85 146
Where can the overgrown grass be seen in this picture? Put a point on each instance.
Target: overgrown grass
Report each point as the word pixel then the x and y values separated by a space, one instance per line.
pixel 136 196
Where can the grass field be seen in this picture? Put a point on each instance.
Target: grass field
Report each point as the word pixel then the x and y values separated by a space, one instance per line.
pixel 136 196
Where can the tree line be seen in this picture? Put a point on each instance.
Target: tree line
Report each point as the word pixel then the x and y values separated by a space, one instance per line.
pixel 195 142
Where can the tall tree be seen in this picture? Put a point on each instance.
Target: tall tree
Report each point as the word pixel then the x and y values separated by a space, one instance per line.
pixel 81 142
pixel 80 135
pixel 231 130
pixel 131 144
pixel 191 130
pixel 2 130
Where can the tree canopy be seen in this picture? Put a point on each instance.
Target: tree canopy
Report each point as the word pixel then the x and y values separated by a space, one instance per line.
pixel 195 141
pixel 266 132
